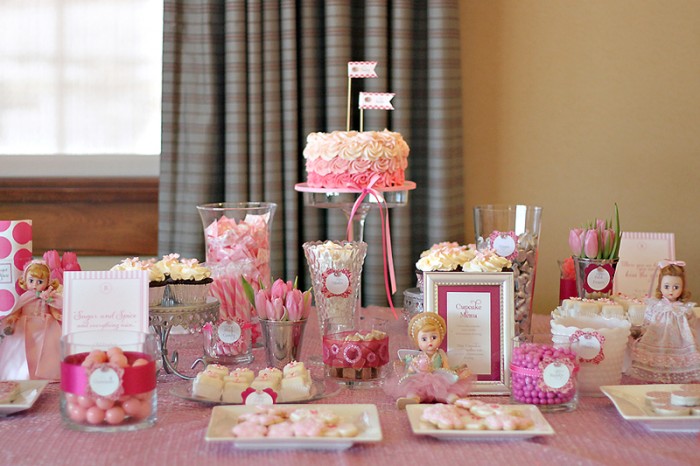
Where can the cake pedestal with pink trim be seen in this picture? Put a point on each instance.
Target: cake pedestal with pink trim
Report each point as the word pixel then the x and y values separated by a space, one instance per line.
pixel 345 199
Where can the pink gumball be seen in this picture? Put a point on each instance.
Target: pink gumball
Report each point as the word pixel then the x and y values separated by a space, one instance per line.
pixel 104 403
pixel 85 402
pixel 114 351
pixel 98 356
pixel 140 362
pixel 115 415
pixel 120 360
pixel 132 407
pixel 76 413
pixel 95 415
pixel 70 397
pixel 144 396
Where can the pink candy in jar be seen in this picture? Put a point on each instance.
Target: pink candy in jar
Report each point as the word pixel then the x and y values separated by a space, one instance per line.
pixel 108 390
pixel 542 374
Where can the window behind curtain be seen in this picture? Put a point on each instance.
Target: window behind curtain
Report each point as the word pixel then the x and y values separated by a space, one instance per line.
pixel 80 77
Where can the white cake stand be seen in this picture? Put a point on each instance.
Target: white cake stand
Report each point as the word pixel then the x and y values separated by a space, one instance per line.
pixel 345 198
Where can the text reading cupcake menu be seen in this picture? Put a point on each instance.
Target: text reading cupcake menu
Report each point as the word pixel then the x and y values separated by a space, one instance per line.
pixel 113 300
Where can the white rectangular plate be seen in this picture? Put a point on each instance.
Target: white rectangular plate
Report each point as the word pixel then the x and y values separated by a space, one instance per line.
pixel 29 393
pixel 541 426
pixel 223 418
pixel 631 404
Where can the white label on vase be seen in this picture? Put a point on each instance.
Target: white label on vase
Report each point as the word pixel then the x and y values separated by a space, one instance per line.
pixel 504 245
pixel 336 283
pixel 229 332
pixel 259 397
pixel 556 375
pixel 586 347
pixel 598 278
pixel 104 381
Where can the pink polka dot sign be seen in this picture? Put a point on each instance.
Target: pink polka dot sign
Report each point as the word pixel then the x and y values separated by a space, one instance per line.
pixel 15 251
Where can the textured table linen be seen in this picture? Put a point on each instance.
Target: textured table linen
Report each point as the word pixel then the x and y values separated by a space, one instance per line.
pixel 592 434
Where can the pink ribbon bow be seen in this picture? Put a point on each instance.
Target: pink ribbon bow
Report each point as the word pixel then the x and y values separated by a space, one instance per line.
pixel 387 256
pixel 666 263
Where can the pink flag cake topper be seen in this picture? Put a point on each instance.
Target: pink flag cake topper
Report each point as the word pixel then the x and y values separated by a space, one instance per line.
pixel 376 100
pixel 362 69
pixel 15 252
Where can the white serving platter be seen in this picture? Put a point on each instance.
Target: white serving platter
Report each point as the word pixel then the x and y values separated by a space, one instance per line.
pixel 540 427
pixel 29 393
pixel 319 389
pixel 365 416
pixel 631 404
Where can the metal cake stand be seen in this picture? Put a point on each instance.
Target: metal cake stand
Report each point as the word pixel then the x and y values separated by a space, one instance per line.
pixel 189 316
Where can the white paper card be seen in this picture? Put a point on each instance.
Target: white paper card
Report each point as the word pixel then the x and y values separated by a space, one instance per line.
pixel 111 300
pixel 469 329
pixel 639 256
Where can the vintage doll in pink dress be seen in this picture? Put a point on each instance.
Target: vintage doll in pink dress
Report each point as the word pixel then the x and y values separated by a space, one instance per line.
pixel 428 376
pixel 30 348
pixel 667 352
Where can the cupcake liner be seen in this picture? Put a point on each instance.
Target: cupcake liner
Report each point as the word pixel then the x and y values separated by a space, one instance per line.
pixel 189 293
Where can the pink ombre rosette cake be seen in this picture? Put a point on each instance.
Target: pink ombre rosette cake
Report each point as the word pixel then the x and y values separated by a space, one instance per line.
pixel 348 159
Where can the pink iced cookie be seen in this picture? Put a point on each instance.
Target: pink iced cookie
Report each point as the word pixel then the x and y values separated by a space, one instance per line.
pixel 671 410
pixel 468 403
pixel 657 398
pixel 685 398
pixel 249 430
pixel 444 416
pixel 281 430
pixel 309 427
pixel 8 391
pixel 260 418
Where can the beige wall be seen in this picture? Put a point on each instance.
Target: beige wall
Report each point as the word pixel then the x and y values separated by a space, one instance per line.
pixel 576 105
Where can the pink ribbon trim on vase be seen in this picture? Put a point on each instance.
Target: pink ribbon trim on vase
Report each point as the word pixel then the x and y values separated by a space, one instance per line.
pixel 135 380
pixel 387 256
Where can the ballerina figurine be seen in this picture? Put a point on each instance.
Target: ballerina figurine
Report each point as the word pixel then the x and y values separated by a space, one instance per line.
pixel 31 346
pixel 667 351
pixel 428 376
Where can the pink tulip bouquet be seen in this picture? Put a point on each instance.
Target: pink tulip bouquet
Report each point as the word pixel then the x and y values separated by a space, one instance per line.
pixel 597 240
pixel 283 301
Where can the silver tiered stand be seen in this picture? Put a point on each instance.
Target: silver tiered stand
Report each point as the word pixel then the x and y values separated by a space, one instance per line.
pixel 189 316
pixel 344 199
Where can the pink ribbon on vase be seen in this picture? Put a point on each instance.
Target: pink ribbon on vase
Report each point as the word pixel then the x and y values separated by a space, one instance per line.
pixel 387 256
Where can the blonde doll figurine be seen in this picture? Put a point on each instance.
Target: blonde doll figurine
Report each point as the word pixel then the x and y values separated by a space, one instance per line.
pixel 428 376
pixel 31 346
pixel 667 351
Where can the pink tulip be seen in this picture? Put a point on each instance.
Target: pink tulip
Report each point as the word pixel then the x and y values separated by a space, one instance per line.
pixel 576 240
pixel 278 309
pixel 261 299
pixel 69 261
pixel 600 225
pixel 279 289
pixel 607 240
pixel 306 306
pixel 293 303
pixel 590 244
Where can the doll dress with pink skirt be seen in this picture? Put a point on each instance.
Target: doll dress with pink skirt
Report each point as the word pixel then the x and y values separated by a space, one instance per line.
pixel 32 351
pixel 667 352
pixel 431 382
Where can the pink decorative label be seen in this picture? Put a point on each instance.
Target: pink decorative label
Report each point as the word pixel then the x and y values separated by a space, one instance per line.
pixel 336 283
pixel 505 243
pixel 556 375
pixel 588 346
pixel 598 278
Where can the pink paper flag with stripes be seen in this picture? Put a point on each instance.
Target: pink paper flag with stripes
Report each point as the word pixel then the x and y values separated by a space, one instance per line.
pixel 362 69
pixel 376 100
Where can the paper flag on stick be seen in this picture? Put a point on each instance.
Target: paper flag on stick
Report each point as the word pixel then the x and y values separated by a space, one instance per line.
pixel 376 100
pixel 362 69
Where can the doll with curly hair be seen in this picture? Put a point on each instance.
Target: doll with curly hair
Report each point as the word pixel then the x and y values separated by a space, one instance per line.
pixel 31 347
pixel 667 351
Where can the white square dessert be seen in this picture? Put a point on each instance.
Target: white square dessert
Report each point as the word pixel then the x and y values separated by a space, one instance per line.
pixel 208 385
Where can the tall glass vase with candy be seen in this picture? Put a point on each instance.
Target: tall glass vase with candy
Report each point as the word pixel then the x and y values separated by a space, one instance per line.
pixel 237 239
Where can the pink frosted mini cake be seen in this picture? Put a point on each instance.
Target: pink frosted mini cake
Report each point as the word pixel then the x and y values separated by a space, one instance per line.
pixel 348 159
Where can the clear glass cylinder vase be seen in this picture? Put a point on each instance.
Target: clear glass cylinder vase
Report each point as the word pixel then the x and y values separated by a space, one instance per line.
pixel 237 240
pixel 513 231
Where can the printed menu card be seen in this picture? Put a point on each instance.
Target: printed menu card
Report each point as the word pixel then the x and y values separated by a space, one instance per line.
pixel 639 256
pixel 105 300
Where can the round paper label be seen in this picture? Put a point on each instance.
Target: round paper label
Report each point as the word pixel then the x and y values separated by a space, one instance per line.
pixel 336 283
pixel 556 375
pixel 587 346
pixel 259 397
pixel 504 245
pixel 104 381
pixel 598 278
pixel 229 332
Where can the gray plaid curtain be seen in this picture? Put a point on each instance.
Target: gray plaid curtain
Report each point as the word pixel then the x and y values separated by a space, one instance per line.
pixel 244 82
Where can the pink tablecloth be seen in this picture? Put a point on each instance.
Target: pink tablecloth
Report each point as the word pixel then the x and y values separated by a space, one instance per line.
pixel 592 434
